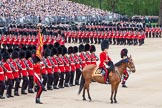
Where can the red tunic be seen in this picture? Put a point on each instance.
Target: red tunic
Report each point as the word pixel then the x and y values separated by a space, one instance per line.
pixel 67 64
pixel 30 67
pixel 81 55
pixel 22 69
pixel 49 66
pixel 37 70
pixel 93 58
pixel 88 58
pixel 2 77
pixel 72 63
pixel 61 64
pixel 16 71
pixel 103 57
pixel 8 71
pixel 55 64
pixel 76 57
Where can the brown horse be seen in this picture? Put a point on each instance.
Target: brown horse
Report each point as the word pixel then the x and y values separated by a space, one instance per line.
pixel 88 74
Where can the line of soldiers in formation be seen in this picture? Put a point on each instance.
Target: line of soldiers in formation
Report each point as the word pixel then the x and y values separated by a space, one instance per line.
pixel 94 34
pixel 60 67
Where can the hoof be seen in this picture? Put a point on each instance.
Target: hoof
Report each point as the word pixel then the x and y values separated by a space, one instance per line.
pixel 84 99
pixel 115 101
pixel 111 102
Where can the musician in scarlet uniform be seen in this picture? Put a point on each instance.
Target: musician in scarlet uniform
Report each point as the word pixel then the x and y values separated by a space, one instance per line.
pixel 13 61
pixel 8 73
pixel 105 60
pixel 61 66
pixel 72 64
pixel 123 55
pixel 77 64
pixel 82 56
pixel 87 54
pixel 2 79
pixel 23 71
pixel 67 67
pixel 47 62
pixel 94 58
pixel 29 65
pixel 37 77
pixel 55 67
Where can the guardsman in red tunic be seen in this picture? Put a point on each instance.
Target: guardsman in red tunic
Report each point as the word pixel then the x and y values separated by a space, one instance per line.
pixel 23 71
pixel 2 79
pixel 48 64
pixel 37 78
pixel 105 60
pixel 29 65
pixel 67 67
pixel 15 68
pixel 78 66
pixel 82 55
pixel 87 54
pixel 123 55
pixel 94 58
pixel 61 66
pixel 8 73
pixel 55 67
pixel 72 64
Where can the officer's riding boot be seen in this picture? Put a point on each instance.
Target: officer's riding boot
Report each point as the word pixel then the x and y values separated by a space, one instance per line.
pixel 38 101
pixel 123 84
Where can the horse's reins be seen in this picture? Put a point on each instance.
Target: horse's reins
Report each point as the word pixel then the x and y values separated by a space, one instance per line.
pixel 117 71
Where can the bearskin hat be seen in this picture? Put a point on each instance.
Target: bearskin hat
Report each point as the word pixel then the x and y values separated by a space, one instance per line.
pixel 15 54
pixel 59 50
pixel 16 49
pixel 64 50
pixel 87 47
pixel 56 44
pixel 28 54
pixel 75 49
pixel 44 46
pixel 70 50
pixel 36 59
pixel 0 57
pixel 47 52
pixel 22 54
pixel 3 50
pixel 30 48
pixel 50 46
pixel 6 55
pixel 123 52
pixel 92 48
pixel 104 45
pixel 81 47
pixel 24 48
pixel 53 51
pixel 10 50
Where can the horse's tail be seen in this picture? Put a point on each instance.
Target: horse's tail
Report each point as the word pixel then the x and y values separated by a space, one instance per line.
pixel 81 84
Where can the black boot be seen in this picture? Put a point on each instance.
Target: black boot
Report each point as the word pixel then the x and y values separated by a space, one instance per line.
pixel 38 101
pixel 16 93
pixel 1 97
pixel 23 92
pixel 30 91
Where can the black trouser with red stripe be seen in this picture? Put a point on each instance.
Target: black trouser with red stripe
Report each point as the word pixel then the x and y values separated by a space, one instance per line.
pixel 56 78
pixel 72 78
pixel 67 77
pixel 61 79
pixel 17 82
pixel 39 88
pixel 2 87
pixel 50 81
pixel 25 83
pixel 31 82
pixel 78 74
pixel 10 85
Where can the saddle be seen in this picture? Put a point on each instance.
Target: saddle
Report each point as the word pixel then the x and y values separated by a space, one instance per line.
pixel 101 72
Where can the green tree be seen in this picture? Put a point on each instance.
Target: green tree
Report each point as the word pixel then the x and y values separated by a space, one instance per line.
pixel 160 13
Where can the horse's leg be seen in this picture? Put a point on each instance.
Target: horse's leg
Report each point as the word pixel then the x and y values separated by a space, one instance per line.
pixel 84 94
pixel 116 90
pixel 112 92
pixel 88 92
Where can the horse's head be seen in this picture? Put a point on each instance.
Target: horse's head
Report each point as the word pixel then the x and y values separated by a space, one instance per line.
pixel 131 65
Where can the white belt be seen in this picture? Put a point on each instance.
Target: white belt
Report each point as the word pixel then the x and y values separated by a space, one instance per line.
pixel 1 72
pixel 23 69
pixel 88 61
pixel 9 71
pixel 61 65
pixel 72 63
pixel 55 65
